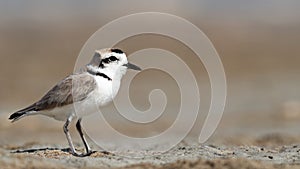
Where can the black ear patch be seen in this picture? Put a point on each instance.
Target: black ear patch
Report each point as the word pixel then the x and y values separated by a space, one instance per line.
pixel 117 51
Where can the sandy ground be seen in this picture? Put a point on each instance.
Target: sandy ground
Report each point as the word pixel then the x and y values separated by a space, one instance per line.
pixel 39 142
pixel 183 156
pixel 266 151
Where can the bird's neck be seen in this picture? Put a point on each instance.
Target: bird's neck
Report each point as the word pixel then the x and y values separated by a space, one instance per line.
pixel 111 75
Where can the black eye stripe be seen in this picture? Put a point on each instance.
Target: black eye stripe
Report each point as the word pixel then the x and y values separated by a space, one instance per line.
pixel 109 59
pixel 105 60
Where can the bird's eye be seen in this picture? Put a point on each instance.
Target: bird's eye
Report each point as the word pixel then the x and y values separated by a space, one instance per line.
pixel 109 59
pixel 113 58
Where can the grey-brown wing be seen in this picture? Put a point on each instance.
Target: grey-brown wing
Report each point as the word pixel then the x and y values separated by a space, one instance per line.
pixel 73 88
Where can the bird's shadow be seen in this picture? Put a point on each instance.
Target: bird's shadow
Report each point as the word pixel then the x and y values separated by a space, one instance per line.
pixel 67 150
pixel 32 150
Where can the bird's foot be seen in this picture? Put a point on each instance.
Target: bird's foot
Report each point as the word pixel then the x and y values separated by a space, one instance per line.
pixel 76 154
pixel 82 155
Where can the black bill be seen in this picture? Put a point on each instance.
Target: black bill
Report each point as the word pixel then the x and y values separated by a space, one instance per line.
pixel 132 66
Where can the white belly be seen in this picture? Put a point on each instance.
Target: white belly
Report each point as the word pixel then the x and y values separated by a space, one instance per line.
pixel 60 113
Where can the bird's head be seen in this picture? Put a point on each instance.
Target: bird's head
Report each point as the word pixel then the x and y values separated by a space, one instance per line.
pixel 110 61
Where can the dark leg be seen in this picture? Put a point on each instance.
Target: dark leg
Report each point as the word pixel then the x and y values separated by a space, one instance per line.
pixel 79 129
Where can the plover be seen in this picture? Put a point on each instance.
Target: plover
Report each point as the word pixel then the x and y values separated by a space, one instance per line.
pixel 97 84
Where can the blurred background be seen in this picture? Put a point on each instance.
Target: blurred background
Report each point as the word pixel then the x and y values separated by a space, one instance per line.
pixel 258 42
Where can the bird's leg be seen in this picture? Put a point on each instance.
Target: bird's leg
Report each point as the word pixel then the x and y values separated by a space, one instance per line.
pixel 66 130
pixel 79 129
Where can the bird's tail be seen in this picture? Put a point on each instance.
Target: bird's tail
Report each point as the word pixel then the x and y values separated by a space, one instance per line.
pixel 22 113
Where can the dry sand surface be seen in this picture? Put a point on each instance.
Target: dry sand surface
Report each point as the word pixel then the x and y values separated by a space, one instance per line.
pixel 35 155
pixel 41 147
pixel 39 142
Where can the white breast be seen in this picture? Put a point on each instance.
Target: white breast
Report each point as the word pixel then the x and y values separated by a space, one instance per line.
pixel 104 93
pixel 106 90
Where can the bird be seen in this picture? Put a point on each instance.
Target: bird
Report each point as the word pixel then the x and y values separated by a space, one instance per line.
pixel 97 83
